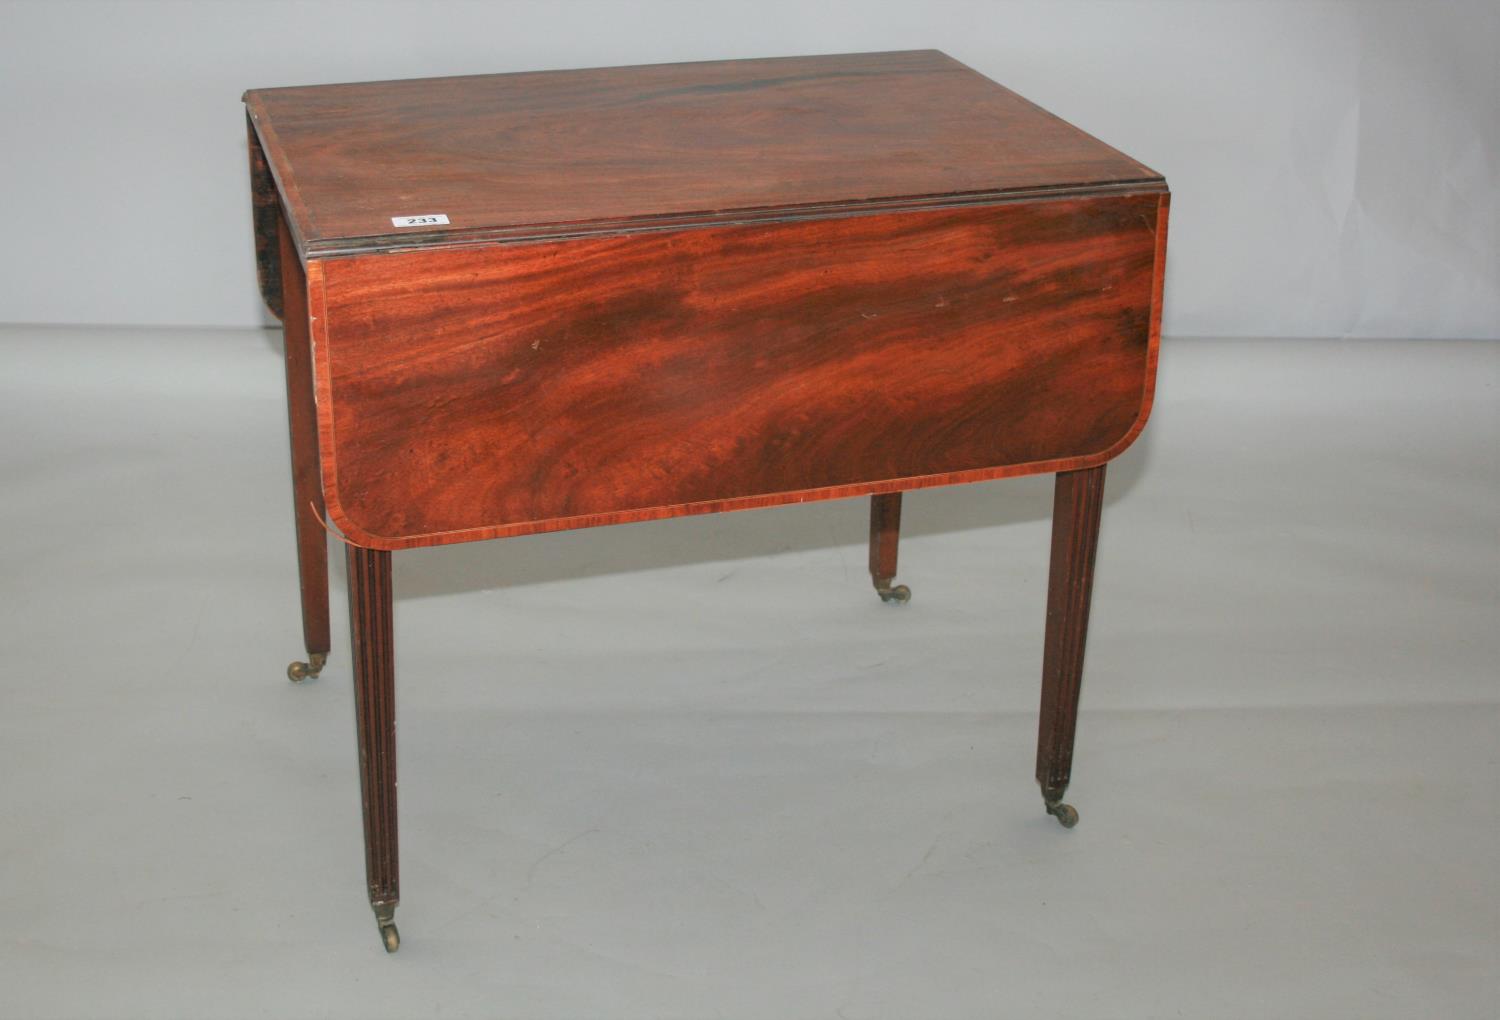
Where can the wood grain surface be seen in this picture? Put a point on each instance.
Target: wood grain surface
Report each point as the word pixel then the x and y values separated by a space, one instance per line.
pixel 266 217
pixel 484 391
pixel 885 536
pixel 302 429
pixel 541 153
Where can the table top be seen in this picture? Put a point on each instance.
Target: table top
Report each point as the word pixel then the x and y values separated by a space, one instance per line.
pixel 560 153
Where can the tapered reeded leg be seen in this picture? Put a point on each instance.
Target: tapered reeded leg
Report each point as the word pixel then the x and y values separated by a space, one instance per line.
pixel 885 535
pixel 1075 538
pixel 371 635
pixel 307 487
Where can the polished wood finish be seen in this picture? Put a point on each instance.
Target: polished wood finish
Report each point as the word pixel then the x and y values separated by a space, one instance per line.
pixel 885 537
pixel 692 288
pixel 372 654
pixel 307 488
pixel 730 367
pixel 265 211
pixel 536 154
pixel 1077 502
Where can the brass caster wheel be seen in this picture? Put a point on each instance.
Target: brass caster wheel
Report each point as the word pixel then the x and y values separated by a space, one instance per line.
pixel 300 671
pixel 385 917
pixel 390 936
pixel 1066 816
pixel 897 596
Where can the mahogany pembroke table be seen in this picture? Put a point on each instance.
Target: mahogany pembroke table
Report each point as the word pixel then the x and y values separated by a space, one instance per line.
pixel 520 303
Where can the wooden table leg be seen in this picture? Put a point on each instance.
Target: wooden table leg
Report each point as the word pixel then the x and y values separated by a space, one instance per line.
pixel 1076 506
pixel 307 487
pixel 371 640
pixel 885 536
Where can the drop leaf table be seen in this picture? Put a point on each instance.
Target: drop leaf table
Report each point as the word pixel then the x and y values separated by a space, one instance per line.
pixel 519 303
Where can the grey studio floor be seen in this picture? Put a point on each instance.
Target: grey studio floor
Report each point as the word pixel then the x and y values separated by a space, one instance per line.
pixel 695 768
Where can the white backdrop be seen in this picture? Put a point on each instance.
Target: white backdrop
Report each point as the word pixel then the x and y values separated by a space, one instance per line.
pixel 1333 164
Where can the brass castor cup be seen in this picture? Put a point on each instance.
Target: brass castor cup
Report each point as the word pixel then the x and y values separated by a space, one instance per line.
pixel 897 596
pixel 300 671
pixel 385 918
pixel 391 937
pixel 1064 813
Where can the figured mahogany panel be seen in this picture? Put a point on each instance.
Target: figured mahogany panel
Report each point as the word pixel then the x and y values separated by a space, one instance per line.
pixel 494 390
pixel 530 153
